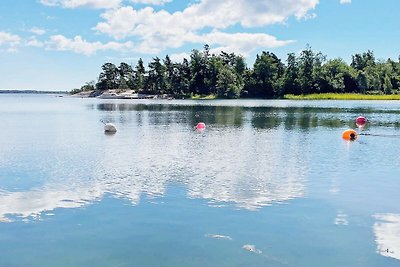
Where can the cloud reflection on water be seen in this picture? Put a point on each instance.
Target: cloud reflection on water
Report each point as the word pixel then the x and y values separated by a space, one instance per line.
pixel 247 167
pixel 387 234
pixel 249 156
pixel 249 191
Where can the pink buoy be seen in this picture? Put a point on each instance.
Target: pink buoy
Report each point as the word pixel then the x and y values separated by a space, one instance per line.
pixel 361 121
pixel 200 126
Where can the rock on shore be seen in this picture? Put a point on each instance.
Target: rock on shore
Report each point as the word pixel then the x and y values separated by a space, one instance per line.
pixel 115 94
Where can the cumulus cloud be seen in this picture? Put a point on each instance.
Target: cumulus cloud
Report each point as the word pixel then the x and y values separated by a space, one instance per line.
pixel 158 30
pixel 9 42
pixel 82 3
pixel 34 42
pixel 345 1
pixel 151 2
pixel 243 42
pixel 126 21
pixel 81 46
pixel 37 31
pixel 248 13
pixel 178 57
pixel 202 22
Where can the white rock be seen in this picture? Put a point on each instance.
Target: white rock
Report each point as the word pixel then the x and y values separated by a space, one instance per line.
pixel 110 128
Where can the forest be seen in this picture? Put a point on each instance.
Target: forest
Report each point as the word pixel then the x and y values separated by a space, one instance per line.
pixel 227 75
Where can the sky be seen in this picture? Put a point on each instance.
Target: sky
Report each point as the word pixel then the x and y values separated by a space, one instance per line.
pixel 61 44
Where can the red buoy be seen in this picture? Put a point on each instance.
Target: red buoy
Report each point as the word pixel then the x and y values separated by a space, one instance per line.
pixel 361 120
pixel 200 126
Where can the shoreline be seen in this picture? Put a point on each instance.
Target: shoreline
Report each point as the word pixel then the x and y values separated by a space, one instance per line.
pixel 131 94
pixel 33 92
pixel 339 96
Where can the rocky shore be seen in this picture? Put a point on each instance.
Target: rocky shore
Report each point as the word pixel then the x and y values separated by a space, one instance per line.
pixel 116 94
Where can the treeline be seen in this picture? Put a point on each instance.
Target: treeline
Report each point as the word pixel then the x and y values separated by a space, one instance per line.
pixel 227 76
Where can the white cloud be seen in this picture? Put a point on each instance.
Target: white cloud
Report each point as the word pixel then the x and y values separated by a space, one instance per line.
pixel 49 2
pixel 309 16
pixel 178 57
pixel 151 2
pixel 37 31
pixel 9 42
pixel 345 1
pixel 7 38
pixel 248 13
pixel 158 30
pixel 120 22
pixel 34 42
pixel 241 42
pixel 82 3
pixel 81 46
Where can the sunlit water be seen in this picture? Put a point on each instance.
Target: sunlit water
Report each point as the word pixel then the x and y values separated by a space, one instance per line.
pixel 268 183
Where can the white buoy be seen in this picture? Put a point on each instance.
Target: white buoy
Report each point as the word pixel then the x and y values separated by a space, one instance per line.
pixel 110 128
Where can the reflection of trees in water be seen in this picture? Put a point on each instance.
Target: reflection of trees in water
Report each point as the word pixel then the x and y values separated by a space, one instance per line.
pixel 107 106
pixel 290 118
pixel 229 116
pixel 290 121
pixel 304 121
pixel 265 121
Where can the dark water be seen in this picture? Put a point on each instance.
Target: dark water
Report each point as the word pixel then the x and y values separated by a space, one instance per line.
pixel 268 183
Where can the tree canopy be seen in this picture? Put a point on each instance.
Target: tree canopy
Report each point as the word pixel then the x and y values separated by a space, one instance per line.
pixel 226 75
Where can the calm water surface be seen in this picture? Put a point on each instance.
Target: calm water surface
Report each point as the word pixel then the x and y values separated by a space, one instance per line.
pixel 268 183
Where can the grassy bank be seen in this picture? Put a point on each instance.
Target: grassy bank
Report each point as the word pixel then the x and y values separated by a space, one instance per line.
pixel 332 96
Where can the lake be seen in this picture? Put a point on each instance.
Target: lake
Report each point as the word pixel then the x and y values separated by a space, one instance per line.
pixel 267 183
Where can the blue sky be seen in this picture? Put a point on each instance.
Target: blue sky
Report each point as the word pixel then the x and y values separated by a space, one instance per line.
pixel 61 44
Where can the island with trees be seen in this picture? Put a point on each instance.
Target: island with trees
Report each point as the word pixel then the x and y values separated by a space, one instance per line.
pixel 227 75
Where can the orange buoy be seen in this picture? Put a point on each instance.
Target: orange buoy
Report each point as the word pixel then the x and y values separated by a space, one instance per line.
pixel 201 126
pixel 349 135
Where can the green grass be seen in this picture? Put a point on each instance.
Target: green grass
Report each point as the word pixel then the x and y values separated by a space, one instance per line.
pixel 203 97
pixel 333 96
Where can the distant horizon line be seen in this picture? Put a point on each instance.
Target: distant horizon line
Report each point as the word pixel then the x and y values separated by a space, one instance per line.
pixel 31 91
